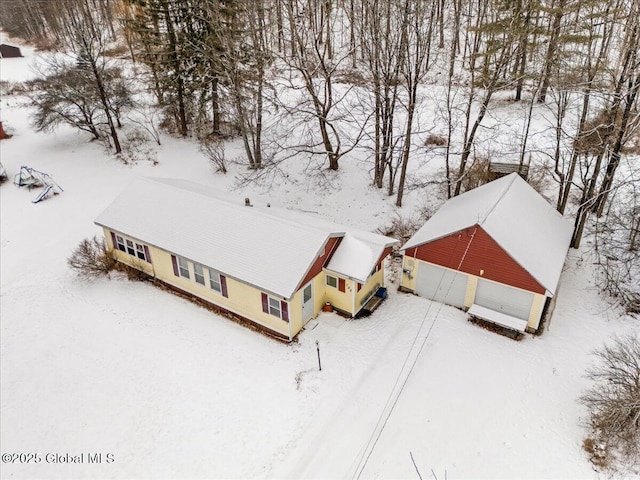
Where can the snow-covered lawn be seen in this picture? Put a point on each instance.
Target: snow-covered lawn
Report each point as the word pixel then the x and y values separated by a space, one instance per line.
pixel 174 391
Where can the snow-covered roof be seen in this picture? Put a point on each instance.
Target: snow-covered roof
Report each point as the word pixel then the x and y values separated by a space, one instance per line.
pixel 518 218
pixel 356 257
pixel 270 248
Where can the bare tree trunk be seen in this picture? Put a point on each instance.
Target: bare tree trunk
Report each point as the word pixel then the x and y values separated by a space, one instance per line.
pixel 177 68
pixel 89 46
pixel 585 204
pixel 523 45
pixel 499 65
pixel 591 68
pixel 551 57
pixel 317 69
pixel 385 53
pixel 280 26
pixel 417 64
pixel 215 105
pixel 612 165
pixel 352 34
pixel 631 67
pixel 562 103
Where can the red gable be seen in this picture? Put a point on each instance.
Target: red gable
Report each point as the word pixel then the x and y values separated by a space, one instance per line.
pixel 484 258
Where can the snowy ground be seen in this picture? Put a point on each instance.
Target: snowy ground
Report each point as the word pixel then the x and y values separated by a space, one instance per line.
pixel 173 391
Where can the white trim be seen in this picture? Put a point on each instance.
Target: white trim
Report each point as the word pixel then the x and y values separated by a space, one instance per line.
pixel 498 317
pixel 181 267
pixel 272 308
pixel 354 294
pixel 211 272
pixel 196 274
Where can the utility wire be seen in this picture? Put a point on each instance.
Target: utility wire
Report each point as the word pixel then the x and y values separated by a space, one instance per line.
pixel 393 398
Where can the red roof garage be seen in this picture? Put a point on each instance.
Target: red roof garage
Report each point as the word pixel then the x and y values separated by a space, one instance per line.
pixel 497 251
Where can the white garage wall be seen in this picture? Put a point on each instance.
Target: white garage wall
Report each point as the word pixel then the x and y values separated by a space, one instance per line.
pixel 441 284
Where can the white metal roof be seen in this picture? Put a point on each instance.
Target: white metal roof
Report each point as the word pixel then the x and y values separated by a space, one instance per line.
pixel 270 248
pixel 518 218
pixel 355 258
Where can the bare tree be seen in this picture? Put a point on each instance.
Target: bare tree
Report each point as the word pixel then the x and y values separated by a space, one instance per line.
pixel 557 9
pixel 613 402
pixel 617 242
pixel 418 34
pixel 592 57
pixel 248 56
pixel 67 94
pixel 213 149
pixel 611 131
pixel 313 59
pixel 85 35
pixel 497 51
pixel 384 24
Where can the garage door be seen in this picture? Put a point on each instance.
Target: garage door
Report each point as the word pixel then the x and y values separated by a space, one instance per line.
pixel 504 299
pixel 441 285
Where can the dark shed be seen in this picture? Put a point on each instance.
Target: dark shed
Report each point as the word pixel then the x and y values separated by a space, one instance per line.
pixel 9 51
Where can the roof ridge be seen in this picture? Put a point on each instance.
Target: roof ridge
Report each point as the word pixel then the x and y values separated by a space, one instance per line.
pixel 240 207
pixel 499 199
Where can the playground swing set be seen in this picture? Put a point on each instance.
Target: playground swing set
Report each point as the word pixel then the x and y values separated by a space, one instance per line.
pixel 32 178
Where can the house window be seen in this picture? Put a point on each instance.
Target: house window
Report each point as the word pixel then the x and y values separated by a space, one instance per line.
pixel 214 281
pixel 120 243
pixel 183 267
pixel 274 307
pixel 198 273
pixel 134 249
pixel 130 249
pixel 306 294
pixel 217 281
pixel 140 252
pixel 332 281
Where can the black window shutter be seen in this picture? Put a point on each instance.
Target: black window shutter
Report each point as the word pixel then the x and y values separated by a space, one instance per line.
pixel 115 242
pixel 223 285
pixel 146 253
pixel 174 261
pixel 284 306
pixel 265 303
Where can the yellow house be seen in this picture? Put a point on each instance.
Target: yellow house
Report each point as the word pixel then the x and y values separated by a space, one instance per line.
pixel 275 268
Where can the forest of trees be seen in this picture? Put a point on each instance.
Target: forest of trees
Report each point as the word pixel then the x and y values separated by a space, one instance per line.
pixel 349 74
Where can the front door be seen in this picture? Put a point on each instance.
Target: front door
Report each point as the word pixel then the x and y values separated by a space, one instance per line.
pixel 307 303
